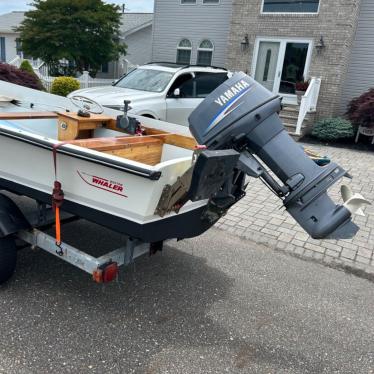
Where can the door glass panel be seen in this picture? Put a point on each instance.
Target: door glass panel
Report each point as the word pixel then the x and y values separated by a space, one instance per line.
pixel 293 66
pixel 266 66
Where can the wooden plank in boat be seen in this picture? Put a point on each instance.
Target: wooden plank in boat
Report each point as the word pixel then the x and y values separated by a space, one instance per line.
pixel 28 115
pixel 93 117
pixel 149 153
pixel 106 144
pixel 173 139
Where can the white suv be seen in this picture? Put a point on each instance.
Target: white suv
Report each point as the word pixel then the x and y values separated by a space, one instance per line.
pixel 164 91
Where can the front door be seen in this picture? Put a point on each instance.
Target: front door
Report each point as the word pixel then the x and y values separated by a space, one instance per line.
pixel 279 64
pixel 267 64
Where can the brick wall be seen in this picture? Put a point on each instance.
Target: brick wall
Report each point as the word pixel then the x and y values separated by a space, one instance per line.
pixel 336 22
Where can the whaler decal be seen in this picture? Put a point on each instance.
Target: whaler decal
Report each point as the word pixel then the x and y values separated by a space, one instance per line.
pixel 103 183
pixel 229 101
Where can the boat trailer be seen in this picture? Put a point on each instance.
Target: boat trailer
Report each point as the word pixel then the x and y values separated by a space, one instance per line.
pixel 103 269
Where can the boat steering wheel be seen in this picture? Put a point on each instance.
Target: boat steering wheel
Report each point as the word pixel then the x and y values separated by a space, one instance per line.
pixel 86 104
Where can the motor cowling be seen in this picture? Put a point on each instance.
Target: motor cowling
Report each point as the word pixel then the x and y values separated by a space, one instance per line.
pixel 243 115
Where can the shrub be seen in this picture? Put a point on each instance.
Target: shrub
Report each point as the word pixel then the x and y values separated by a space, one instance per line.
pixel 361 109
pixel 64 85
pixel 333 129
pixel 11 74
pixel 26 66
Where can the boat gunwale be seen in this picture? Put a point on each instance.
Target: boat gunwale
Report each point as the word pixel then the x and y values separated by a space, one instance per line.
pixel 80 154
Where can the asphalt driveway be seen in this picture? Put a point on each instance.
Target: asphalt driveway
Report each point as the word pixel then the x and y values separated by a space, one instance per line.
pixel 215 304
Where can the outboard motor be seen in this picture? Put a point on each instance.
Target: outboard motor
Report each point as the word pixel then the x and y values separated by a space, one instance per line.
pixel 243 115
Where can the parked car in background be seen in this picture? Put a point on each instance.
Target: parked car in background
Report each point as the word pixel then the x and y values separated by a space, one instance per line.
pixel 164 91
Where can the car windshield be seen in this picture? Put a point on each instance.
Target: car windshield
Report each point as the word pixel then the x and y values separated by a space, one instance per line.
pixel 146 80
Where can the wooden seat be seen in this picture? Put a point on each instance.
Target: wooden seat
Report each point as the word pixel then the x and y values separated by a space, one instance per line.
pixel 71 126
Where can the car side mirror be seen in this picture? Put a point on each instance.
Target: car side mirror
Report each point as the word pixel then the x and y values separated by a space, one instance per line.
pixel 177 93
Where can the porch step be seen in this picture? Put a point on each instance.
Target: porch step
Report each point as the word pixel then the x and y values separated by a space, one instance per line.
pixel 289 116
pixel 291 108
pixel 291 129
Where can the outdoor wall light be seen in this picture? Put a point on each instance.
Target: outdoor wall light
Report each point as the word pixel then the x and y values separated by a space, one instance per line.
pixel 320 45
pixel 244 44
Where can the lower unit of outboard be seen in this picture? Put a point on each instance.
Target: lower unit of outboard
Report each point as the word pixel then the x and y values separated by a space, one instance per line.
pixel 243 116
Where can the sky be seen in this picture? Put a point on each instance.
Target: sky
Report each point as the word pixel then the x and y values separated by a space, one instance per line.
pixel 132 5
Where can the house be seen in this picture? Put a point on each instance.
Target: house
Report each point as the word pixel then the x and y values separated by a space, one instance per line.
pixel 191 31
pixel 289 40
pixel 136 31
pixel 9 46
pixel 278 42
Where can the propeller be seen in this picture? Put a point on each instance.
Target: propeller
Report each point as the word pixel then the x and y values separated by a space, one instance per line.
pixel 353 202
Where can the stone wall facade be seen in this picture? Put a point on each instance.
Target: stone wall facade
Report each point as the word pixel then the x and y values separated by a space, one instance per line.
pixel 336 22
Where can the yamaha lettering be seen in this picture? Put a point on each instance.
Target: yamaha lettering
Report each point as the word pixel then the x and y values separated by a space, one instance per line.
pixel 232 92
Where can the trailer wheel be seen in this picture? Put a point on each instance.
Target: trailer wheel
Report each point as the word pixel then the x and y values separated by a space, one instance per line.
pixel 8 258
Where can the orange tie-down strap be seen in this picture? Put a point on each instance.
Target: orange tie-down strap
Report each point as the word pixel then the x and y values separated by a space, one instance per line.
pixel 57 200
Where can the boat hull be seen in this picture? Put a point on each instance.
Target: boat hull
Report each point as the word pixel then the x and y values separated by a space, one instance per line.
pixel 100 188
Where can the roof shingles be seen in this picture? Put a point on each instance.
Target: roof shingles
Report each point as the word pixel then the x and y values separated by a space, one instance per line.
pixel 130 21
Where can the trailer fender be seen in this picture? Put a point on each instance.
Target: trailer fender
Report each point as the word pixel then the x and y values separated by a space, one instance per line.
pixel 12 219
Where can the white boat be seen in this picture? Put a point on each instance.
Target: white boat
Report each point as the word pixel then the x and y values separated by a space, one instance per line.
pixel 112 178
pixel 149 179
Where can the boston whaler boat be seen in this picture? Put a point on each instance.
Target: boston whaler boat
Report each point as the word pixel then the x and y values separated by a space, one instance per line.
pixel 150 180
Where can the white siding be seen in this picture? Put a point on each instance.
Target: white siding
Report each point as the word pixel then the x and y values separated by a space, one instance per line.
pixel 10 46
pixel 139 45
pixel 360 76
pixel 173 22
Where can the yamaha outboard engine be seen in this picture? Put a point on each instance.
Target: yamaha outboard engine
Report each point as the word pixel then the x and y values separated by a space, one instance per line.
pixel 243 115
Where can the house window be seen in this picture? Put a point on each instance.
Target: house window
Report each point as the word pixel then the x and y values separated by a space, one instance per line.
pixel 184 52
pixel 184 2
pixel 19 47
pixel 2 49
pixel 104 68
pixel 205 53
pixel 290 6
pixel 210 2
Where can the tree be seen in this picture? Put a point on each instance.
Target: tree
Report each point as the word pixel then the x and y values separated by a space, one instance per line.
pixel 84 32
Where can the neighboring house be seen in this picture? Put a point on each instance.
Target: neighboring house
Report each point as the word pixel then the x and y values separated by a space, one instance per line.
pixel 191 31
pixel 360 75
pixel 136 32
pixel 9 46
